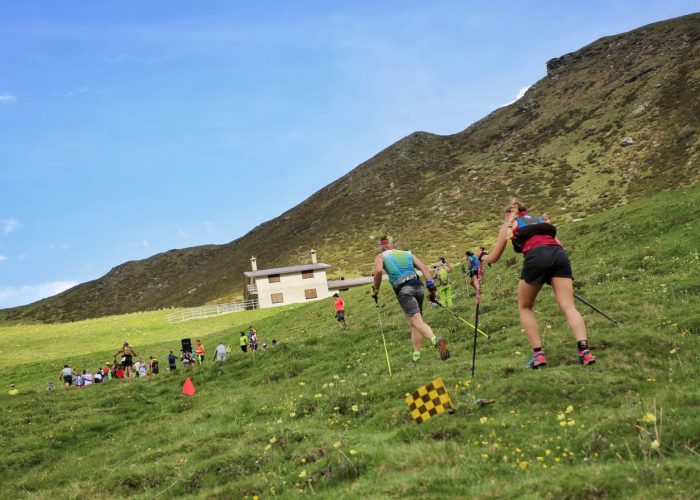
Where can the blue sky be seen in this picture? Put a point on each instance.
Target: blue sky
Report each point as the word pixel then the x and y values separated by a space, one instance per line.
pixel 129 128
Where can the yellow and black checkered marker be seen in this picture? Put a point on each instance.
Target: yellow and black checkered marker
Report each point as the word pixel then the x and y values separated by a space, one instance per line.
pixel 429 400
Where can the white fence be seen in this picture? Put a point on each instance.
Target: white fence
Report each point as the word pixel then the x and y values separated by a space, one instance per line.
pixel 204 312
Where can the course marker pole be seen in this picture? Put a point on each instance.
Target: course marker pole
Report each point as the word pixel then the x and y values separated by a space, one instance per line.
pixel 479 277
pixel 461 318
pixel 381 328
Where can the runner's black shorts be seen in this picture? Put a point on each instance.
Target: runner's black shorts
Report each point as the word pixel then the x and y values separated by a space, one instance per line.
pixel 127 361
pixel 544 263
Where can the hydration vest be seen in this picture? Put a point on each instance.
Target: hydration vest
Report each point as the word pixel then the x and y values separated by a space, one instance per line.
pixel 399 266
pixel 529 226
pixel 443 276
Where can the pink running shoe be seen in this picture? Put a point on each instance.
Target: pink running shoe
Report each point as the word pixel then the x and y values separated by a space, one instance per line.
pixel 586 358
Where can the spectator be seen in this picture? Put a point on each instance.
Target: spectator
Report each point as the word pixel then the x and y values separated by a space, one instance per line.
pixel 97 378
pixel 172 362
pixel 67 376
pixel 143 369
pixel 200 352
pixel 220 352
pixel 127 355
pixel 13 390
pixel 340 310
pixel 187 359
pixel 244 342
pixel 87 378
pixel 153 366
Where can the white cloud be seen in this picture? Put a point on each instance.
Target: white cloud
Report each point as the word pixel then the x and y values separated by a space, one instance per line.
pixel 81 90
pixel 7 98
pixel 11 296
pixel 9 225
pixel 2 257
pixel 183 234
pixel 521 92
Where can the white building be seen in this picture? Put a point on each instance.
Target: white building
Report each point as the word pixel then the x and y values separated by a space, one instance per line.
pixel 286 285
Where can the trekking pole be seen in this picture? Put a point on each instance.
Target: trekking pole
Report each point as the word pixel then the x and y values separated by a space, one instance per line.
pixel 381 328
pixel 479 277
pixel 461 318
pixel 596 309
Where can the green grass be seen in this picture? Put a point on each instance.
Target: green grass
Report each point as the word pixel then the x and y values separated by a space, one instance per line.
pixel 318 414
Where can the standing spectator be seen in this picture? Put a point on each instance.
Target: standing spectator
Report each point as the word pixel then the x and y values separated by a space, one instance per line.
pixel 200 352
pixel 220 352
pixel 244 342
pixel 67 376
pixel 187 359
pixel 153 366
pixel 127 358
pixel 340 310
pixel 172 362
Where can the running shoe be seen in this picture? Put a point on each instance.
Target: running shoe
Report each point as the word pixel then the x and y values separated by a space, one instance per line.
pixel 537 360
pixel 586 358
pixel 441 346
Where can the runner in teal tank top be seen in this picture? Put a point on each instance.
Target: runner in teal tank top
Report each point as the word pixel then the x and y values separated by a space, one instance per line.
pixel 401 267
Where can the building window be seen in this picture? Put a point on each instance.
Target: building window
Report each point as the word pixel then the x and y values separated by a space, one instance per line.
pixel 307 275
pixel 277 298
pixel 310 293
pixel 273 278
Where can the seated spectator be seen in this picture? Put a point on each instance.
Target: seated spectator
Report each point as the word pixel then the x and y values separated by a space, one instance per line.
pixel 78 380
pixel 142 370
pixel 97 378
pixel 87 378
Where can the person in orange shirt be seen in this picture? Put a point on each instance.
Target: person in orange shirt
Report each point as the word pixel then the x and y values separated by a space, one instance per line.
pixel 340 310
pixel 200 352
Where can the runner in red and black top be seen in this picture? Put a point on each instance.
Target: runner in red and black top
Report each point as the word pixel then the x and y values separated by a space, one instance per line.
pixel 546 261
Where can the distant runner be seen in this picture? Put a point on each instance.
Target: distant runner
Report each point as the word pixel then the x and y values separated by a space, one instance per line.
pixel 340 310
pixel 401 267
pixel 127 358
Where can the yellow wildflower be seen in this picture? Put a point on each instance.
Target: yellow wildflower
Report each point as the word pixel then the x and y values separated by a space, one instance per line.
pixel 483 420
pixel 302 474
pixel 569 409
pixel 649 418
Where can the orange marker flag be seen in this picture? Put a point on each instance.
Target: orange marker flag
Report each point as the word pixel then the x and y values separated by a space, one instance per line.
pixel 188 387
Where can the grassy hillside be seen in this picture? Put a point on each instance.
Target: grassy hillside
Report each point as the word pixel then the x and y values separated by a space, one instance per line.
pixel 318 414
pixel 561 144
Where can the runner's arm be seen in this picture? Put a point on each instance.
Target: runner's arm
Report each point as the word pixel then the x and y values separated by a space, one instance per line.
pixel 378 270
pixel 500 246
pixel 422 268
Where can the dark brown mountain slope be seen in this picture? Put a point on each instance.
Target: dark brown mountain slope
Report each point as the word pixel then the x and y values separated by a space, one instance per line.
pixel 615 120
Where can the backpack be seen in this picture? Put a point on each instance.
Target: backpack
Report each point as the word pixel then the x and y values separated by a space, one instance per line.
pixel 443 277
pixel 529 226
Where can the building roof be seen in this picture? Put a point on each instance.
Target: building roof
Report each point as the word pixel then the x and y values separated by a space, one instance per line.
pixel 349 283
pixel 286 270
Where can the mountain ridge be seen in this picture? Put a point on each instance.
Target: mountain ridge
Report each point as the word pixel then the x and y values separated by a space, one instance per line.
pixel 564 146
